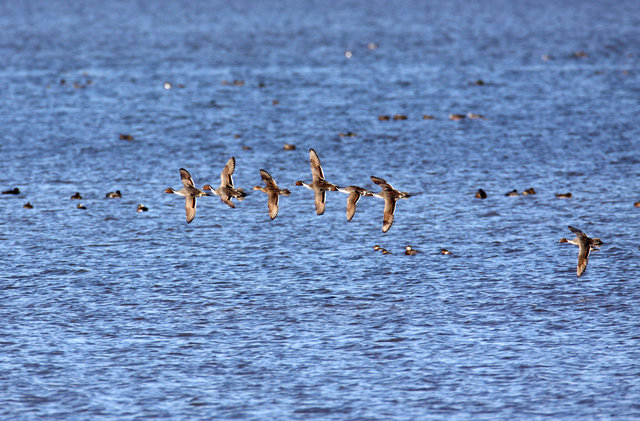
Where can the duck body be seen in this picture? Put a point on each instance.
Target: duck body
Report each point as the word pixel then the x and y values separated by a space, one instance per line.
pixel 586 245
pixel 189 192
pixel 227 191
pixel 481 194
pixel 390 196
pixel 114 195
pixel 319 185
pixel 355 193
pixel 410 251
pixel 14 190
pixel 76 196
pixel 273 192
pixel 512 193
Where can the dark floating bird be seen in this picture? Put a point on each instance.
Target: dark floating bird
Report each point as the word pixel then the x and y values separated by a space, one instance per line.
pixel 445 251
pixel 635 205
pixel 355 193
pixel 481 194
pixel 390 196
pixel 377 248
pixel 457 117
pixel 81 206
pixel 475 116
pixel 227 191
pixel 428 117
pixel 564 195
pixel 142 208
pixel 512 193
pixel 28 205
pixel 189 192
pixel 14 190
pixel 528 191
pixel 319 185
pixel 410 251
pixel 273 192
pixel 77 196
pixel 124 136
pixel 113 195
pixel 385 251
pixel 586 245
pixel 289 147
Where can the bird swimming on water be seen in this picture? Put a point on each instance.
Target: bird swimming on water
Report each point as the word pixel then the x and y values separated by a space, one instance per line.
pixel 273 192
pixel 113 195
pixel 189 192
pixel 390 196
pixel 586 245
pixel 319 185
pixel 227 191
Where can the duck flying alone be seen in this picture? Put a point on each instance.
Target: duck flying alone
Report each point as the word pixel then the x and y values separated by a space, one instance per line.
pixel 227 191
pixel 273 192
pixel 319 185
pixel 586 245
pixel 355 193
pixel 189 192
pixel 390 196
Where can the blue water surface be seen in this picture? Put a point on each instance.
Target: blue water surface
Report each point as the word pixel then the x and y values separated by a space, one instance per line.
pixel 112 314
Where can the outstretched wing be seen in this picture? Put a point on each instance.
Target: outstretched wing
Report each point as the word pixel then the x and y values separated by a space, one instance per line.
pixel 576 231
pixel 316 166
pixel 226 177
pixel 321 197
pixel 190 207
pixel 273 205
pixel 268 180
pixel 186 178
pixel 382 183
pixel 583 258
pixel 389 209
pixel 352 200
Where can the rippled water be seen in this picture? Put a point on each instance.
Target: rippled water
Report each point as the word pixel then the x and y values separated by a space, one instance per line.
pixel 112 314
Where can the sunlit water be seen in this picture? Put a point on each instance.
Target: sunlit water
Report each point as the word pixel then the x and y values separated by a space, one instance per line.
pixel 113 314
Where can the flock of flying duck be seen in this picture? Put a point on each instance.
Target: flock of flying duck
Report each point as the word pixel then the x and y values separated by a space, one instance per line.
pixel 227 191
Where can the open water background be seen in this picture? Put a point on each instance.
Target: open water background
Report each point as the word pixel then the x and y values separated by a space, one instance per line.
pixel 111 314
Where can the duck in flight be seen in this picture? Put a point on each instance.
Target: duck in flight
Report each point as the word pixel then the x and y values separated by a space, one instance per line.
pixel 355 193
pixel 189 192
pixel 586 245
pixel 319 185
pixel 273 192
pixel 390 196
pixel 227 191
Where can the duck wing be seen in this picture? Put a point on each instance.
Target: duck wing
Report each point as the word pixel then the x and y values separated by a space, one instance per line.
pixel 190 207
pixel 226 177
pixel 268 180
pixel 321 197
pixel 316 166
pixel 583 257
pixel 273 204
pixel 382 183
pixel 576 231
pixel 186 178
pixel 352 200
pixel 389 209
